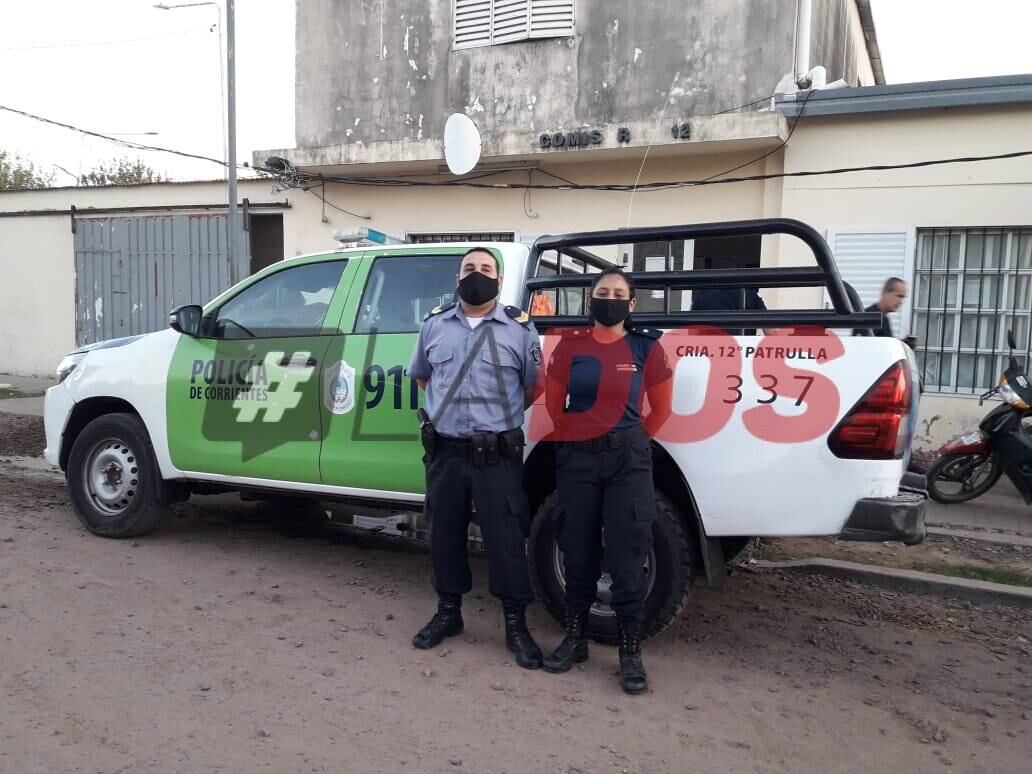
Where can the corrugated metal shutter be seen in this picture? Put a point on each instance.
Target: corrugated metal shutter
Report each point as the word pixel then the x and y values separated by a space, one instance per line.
pixel 552 18
pixel 865 259
pixel 472 23
pixel 509 21
pixel 129 271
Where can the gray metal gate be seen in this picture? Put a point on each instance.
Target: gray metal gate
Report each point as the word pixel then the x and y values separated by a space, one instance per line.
pixel 129 272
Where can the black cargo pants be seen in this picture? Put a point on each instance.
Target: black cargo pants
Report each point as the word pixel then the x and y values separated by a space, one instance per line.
pixel 453 482
pixel 610 491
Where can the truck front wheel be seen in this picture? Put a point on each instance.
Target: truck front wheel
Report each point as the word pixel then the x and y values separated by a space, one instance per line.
pixel 113 478
pixel 667 568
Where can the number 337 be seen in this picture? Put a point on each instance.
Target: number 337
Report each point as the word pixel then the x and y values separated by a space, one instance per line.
pixel 768 383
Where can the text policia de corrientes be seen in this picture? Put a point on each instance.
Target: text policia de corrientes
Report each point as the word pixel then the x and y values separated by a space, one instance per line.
pixel 244 379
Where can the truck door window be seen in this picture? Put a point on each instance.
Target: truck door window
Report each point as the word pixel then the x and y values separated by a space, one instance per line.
pixel 292 302
pixel 401 290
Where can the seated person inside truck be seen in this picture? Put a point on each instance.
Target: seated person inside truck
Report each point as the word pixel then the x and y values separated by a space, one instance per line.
pixel 730 299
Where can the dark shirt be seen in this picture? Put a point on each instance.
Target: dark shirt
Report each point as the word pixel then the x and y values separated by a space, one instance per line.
pixel 886 326
pixel 729 299
pixel 607 382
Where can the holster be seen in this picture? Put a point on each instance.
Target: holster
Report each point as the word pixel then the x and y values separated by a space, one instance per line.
pixel 427 433
pixel 512 444
pixel 485 449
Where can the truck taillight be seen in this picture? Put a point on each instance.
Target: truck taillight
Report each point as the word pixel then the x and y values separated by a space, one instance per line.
pixel 875 428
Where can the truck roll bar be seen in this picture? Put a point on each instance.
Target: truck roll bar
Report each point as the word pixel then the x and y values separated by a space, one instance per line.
pixel 825 275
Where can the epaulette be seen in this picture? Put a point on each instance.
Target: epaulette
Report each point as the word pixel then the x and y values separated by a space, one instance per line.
pixel 652 333
pixel 438 310
pixel 518 315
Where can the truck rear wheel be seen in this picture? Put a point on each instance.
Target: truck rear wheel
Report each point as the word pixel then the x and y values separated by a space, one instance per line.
pixel 113 478
pixel 667 567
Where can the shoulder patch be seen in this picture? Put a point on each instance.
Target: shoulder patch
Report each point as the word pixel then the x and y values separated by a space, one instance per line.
pixel 438 310
pixel 652 333
pixel 518 315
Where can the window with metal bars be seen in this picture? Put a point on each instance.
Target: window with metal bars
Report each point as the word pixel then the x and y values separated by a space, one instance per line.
pixel 970 287
pixel 466 236
pixel 488 22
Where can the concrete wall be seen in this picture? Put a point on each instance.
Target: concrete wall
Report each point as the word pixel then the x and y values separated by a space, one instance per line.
pixel 37 294
pixel 984 194
pixel 398 211
pixel 37 269
pixel 376 70
pixel 837 42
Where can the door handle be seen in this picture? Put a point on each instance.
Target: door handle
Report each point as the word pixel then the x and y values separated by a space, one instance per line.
pixel 288 361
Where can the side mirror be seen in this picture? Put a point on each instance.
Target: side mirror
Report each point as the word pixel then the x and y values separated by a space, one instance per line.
pixel 186 319
pixel 1011 342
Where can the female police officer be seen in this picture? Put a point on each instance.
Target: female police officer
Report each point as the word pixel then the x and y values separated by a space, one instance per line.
pixel 597 380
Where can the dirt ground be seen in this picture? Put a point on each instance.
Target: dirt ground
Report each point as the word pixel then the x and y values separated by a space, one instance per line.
pixel 21 435
pixel 226 642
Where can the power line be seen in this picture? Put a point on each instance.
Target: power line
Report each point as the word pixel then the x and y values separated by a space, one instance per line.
pixel 117 140
pixel 315 179
pixel 328 203
pixel 739 107
pixel 784 143
pixel 98 43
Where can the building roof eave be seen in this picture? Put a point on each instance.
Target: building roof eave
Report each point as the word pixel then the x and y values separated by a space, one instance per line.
pixel 728 133
pixel 927 95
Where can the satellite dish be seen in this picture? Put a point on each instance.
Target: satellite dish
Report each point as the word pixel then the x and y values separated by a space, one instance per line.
pixel 461 143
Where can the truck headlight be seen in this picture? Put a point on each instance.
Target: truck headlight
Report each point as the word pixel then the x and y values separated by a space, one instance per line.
pixel 1011 397
pixel 68 364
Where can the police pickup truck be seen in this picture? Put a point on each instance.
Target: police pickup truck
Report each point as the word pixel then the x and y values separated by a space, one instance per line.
pixel 292 385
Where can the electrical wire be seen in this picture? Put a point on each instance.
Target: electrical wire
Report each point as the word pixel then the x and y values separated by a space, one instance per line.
pixel 313 179
pixel 328 203
pixel 739 107
pixel 130 144
pixel 784 143
pixel 645 158
pixel 293 178
pixel 99 43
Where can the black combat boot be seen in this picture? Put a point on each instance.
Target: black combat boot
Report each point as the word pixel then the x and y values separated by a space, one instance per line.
pixel 632 670
pixel 574 647
pixel 447 622
pixel 517 637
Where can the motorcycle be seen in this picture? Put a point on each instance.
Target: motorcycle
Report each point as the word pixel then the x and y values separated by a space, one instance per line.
pixel 972 463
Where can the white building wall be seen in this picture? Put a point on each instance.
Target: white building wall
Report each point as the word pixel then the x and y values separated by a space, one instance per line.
pixel 994 193
pixel 37 261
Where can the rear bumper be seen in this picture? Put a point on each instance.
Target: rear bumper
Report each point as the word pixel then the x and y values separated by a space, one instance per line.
pixel 899 518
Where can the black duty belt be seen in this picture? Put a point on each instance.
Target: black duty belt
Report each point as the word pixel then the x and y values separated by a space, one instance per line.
pixel 613 440
pixel 483 448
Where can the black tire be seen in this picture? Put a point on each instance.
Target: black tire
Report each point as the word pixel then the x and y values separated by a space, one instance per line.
pixel 670 564
pixel 118 443
pixel 947 468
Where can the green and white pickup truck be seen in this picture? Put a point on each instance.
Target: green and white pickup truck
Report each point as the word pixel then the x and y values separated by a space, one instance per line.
pixel 292 384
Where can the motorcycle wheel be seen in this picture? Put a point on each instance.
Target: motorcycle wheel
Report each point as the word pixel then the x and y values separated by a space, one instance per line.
pixel 958 478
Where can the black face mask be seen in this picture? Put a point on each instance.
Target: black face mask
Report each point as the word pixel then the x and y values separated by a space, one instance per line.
pixel 477 289
pixel 610 311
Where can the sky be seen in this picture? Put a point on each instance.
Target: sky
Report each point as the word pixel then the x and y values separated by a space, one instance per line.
pixel 124 67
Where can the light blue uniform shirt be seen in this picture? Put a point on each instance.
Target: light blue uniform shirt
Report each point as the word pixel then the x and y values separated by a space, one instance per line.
pixel 475 377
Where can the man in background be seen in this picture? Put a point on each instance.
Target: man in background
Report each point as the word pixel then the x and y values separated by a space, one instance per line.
pixel 894 293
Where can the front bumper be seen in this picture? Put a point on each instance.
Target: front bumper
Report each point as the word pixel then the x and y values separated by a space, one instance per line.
pixel 57 407
pixel 899 518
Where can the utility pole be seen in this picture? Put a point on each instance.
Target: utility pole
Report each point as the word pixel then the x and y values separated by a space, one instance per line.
pixel 234 216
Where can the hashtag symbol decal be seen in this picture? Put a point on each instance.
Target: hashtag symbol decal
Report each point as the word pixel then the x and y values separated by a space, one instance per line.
pixel 282 392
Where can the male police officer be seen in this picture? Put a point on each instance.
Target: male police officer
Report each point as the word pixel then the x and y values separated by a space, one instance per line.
pixel 478 362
